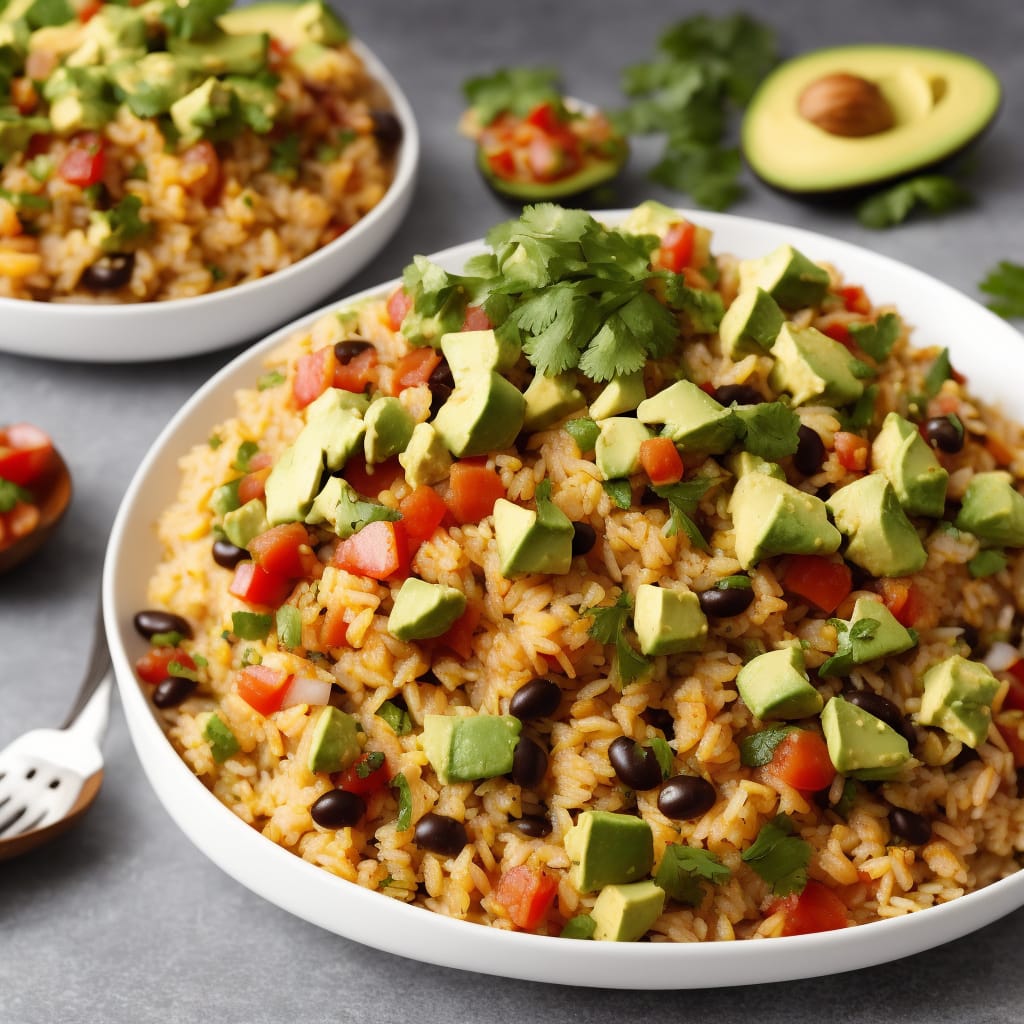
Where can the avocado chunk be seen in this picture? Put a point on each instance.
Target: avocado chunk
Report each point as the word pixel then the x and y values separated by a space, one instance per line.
pixel 295 480
pixel 993 510
pixel 335 743
pixel 650 218
pixel 423 610
pixel 788 276
pixel 872 632
pixel 958 697
pixel 770 517
pixel 550 399
pixel 484 414
pixel 79 98
pixel 668 621
pixel 939 100
pixel 751 323
pixel 335 399
pixel 532 541
pixel 198 112
pixel 292 23
pixel 16 131
pixel 114 33
pixel 620 394
pixel 223 742
pixel 389 428
pixel 606 848
pixel 425 459
pixel 861 745
pixel 692 418
pixel 624 913
pixel 904 458
pixel 151 85
pixel 464 749
pixel 224 53
pixel 775 685
pixel 741 463
pixel 473 352
pixel 242 524
pixel 880 538
pixel 617 449
pixel 812 367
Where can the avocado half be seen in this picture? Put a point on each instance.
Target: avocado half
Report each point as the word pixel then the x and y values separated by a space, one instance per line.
pixel 938 102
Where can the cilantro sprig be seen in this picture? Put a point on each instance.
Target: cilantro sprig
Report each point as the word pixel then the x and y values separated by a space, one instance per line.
pixel 877 339
pixel 513 90
pixel 353 513
pixel 779 857
pixel 609 627
pixel 684 869
pixel 770 430
pixel 1005 283
pixel 683 499
pixel 935 193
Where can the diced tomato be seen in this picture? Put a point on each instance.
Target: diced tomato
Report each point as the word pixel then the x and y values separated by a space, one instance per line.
pixel 399 304
pixel 526 894
pixel 1014 699
pixel 334 628
pixel 357 373
pixel 201 171
pixel 278 550
pixel 422 513
pixel 253 485
pixel 415 368
pixel 85 160
pixel 472 492
pixel 255 585
pixel 378 551
pixel 661 461
pixel 314 374
pixel 855 299
pixel 89 10
pixel 819 580
pixel 549 158
pixel 459 638
pixel 502 163
pixel 476 319
pixel 360 777
pixel 801 760
pixel 817 909
pixel 384 474
pixel 903 599
pixel 24 95
pixel 26 453
pixel 262 687
pixel 839 332
pixel 152 666
pixel 676 250
pixel 1011 727
pixel 852 451
pixel 545 116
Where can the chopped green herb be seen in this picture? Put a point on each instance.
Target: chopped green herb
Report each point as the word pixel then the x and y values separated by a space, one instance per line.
pixel 877 339
pixel 11 494
pixel 987 563
pixel 941 370
pixel 684 869
pixel 609 627
pixel 246 450
pixel 396 717
pixel 861 370
pixel 139 171
pixel 215 441
pixel 683 499
pixel 40 167
pixel 770 430
pixel 401 783
pixel 758 748
pixel 192 19
pixel 248 199
pixel 122 225
pixel 734 583
pixel 515 90
pixel 845 803
pixel 328 151
pixel 663 752
pixel 862 412
pixel 284 157
pixel 289 626
pixel 182 671
pixel 582 926
pixel 842 661
pixel 779 857
pixel 215 272
pixel 169 639
pixel 353 513
pixel 584 432
pixel 367 765
pixel 270 380
pixel 250 657
pixel 1005 283
pixel 933 192
pixel 251 625
pixel 26 202
pixel 223 743
pixel 620 492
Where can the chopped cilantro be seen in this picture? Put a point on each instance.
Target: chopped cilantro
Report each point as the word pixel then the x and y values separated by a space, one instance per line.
pixel 328 151
pixel 182 671
pixel 582 926
pixel 683 870
pixel 289 626
pixel 367 765
pixel 246 450
pixel 620 492
pixel 987 563
pixel 862 412
pixel 11 494
pixel 122 224
pixel 933 192
pixel 779 857
pixel 877 339
pixel 270 380
pixel 663 752
pixel 1005 283
pixel 353 513
pixel 770 430
pixel 191 19
pixel 396 717
pixel 609 627
pixel 515 90
pixel 584 432
pixel 758 748
pixel 139 171
pixel 247 199
pixel 215 272
pixel 842 661
pixel 401 783
pixel 683 499
pixel 169 639
pixel 215 441
pixel 40 167
pixel 223 742
pixel 734 583
pixel 251 625
pixel 250 657
pixel 284 157
pixel 26 202
pixel 941 370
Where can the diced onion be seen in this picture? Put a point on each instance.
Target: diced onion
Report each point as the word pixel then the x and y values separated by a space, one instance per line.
pixel 306 690
pixel 1001 656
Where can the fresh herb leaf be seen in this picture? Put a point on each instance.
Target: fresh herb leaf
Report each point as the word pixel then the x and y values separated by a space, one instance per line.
pixel 770 430
pixel 779 857
pixel 11 494
pixel 25 202
pixel 193 19
pixel 1005 283
pixel 251 625
pixel 987 563
pixel 289 626
pixel 877 339
pixel 549 515
pixel 757 749
pixel 933 192
pixel 703 310
pixel 169 639
pixel 216 272
pixel 864 629
pixel 513 90
pixel 683 869
pixel 683 499
pixel 215 441
pixel 139 171
pixel 250 657
pixel 121 226
pixel 609 627
pixel 367 765
pixel 862 412
pixel 584 432
pixel 620 492
pixel 182 671
pixel 582 926
pixel 396 717
pixel 845 803
pixel 270 380
pixel 243 456
pixel 284 157
pixel 401 783
pixel 223 742
pixel 663 752
pixel 353 513
pixel 708 173
pixel 734 583
pixel 941 370
pixel 40 167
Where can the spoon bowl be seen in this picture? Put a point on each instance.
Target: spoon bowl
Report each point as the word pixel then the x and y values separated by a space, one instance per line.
pixel 52 492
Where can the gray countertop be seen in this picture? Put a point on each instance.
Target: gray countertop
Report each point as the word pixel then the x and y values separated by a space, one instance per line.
pixel 123 919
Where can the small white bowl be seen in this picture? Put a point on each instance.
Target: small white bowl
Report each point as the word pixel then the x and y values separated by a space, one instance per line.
pixel 147 331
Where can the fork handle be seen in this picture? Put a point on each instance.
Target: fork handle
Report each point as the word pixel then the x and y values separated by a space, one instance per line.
pixel 99 667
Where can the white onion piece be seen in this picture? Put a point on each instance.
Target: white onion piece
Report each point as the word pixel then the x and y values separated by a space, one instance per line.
pixel 306 690
pixel 1001 656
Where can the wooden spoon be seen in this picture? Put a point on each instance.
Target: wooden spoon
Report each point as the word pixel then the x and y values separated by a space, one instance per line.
pixel 52 493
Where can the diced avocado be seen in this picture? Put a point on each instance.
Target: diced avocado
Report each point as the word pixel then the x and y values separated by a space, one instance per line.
pixel 620 394
pixel 423 610
pixel 904 458
pixel 224 498
pixel 465 749
pixel 258 101
pixel 242 524
pixel 72 111
pixel 788 276
pixel 770 517
pixel 151 85
pixel 79 98
pixel 224 54
pixel 334 399
pixel 16 131
pixel 880 537
pixel 339 434
pixel 810 366
pixel 650 218
pixel 474 352
pixel 617 449
pixel 608 849
pixel 295 480
pixel 291 23
pixel 872 632
pixel 958 697
pixel 335 743
pixel 751 324
pixel 325 505
pixel 38 13
pixel 668 621
pixel 114 33
pixel 551 399
pixel 484 414
pixel 993 510
pixel 861 745
pixel 625 913
pixel 692 418
pixel 532 541
pixel 199 111
pixel 776 685
pixel 223 742
pixel 316 63
pixel 389 428
pixel 60 40
pixel 425 459
pixel 741 463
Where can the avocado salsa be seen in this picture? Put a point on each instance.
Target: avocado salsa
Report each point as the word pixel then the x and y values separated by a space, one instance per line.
pixel 608 590
pixel 166 149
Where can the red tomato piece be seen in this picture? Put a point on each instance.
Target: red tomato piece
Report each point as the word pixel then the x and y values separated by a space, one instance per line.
pixel 1014 699
pixel 855 299
pixel 903 599
pixel 361 777
pixel 676 250
pixel 817 909
pixel 415 368
pixel 839 332
pixel 384 474
pixel 25 453
pixel 255 585
pixel 526 895
pixel 423 511
pixel 399 304
pixel 819 580
pixel 476 319
pixel 357 373
pixel 549 158
pixel 502 163
pixel 852 451
pixel 201 171
pixel 661 461
pixel 472 492
pixel 334 628
pixel 314 374
pixel 459 637
pixel 801 760
pixel 85 161
pixel 378 551
pixel 253 485
pixel 546 117
pixel 278 550
pixel 262 688
pixel 152 666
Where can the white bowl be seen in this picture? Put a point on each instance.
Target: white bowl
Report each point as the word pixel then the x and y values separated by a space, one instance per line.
pixel 940 315
pixel 147 331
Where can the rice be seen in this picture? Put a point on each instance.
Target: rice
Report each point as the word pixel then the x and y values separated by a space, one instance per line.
pixel 539 626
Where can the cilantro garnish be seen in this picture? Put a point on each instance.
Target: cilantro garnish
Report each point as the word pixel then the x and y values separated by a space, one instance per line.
pixel 609 627
pixel 352 513
pixel 401 783
pixel 270 380
pixel 584 432
pixel 289 626
pixel 987 563
pixel 124 224
pixel 284 157
pixel 862 412
pixel 582 926
pixel 513 90
pixel 934 192
pixel 243 456
pixel 877 339
pixel 215 441
pixel 758 748
pixel 683 869
pixel 779 857
pixel 11 494
pixel 663 753
pixel 734 583
pixel 770 430
pixel 193 19
pixel 396 716
pixel 683 499
pixel 251 625
pixel 182 671
pixel 367 765
pixel 620 492
pixel 169 639
pixel 1005 283
pixel 843 660
pixel 941 370
pixel 25 202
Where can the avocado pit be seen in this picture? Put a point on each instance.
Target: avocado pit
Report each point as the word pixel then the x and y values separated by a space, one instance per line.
pixel 847 105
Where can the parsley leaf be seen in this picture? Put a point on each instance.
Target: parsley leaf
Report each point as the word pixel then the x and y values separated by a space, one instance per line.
pixel 770 430
pixel 609 627
pixel 396 717
pixel 779 857
pixel 683 499
pixel 877 339
pixel 620 492
pixel 1005 283
pixel 11 494
pixel 758 748
pixel 251 625
pixel 515 90
pixel 684 868
pixel 289 626
pixel 401 783
pixel 368 764
pixel 935 192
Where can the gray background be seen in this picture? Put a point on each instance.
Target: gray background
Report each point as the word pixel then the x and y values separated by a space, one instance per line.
pixel 123 920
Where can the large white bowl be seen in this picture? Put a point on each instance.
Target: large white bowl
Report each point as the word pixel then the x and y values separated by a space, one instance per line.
pixel 142 332
pixel 982 346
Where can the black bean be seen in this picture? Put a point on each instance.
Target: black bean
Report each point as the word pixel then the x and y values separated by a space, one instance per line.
pixel 912 827
pixel 723 604
pixel 810 451
pixel 686 796
pixel 170 692
pixel 1020 782
pixel 584 537
pixel 659 718
pixel 651 497
pixel 741 394
pixel 228 555
pixel 536 826
pixel 879 706
pixel 539 698
pixel 966 756
pixel 109 272
pixel 529 763
pixel 338 809
pixel 942 433
pixel 346 351
pixel 151 621
pixel 441 384
pixel 970 637
pixel 386 128
pixel 440 834
pixel 636 766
